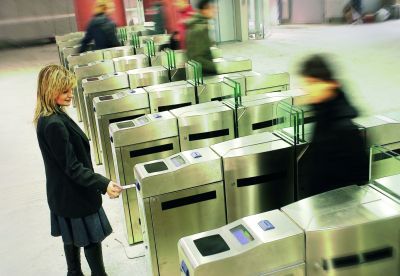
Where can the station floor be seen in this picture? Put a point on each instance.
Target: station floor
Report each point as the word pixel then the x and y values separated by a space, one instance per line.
pixel 368 57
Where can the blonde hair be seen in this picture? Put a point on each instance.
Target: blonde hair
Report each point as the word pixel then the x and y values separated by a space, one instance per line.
pixel 102 6
pixel 52 81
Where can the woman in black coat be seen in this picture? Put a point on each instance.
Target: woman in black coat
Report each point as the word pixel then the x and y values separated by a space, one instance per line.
pixel 338 155
pixel 73 188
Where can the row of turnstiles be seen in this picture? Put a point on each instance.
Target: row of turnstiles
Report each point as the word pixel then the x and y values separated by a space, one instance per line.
pixel 193 176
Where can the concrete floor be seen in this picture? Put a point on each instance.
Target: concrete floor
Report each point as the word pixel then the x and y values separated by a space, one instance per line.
pixel 368 56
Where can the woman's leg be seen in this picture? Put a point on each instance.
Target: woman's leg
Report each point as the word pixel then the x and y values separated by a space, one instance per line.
pixel 73 257
pixel 94 257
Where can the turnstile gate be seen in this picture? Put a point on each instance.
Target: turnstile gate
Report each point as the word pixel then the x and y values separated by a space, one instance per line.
pixel 143 77
pixel 258 174
pixel 83 71
pixel 95 87
pixel 135 141
pixel 120 51
pixel 170 95
pixel 204 124
pixel 178 196
pixel 123 64
pixel 125 105
pixel 232 65
pixel 257 83
pixel 263 244
pixel 349 231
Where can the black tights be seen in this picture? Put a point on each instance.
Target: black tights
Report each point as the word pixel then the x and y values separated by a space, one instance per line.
pixel 94 257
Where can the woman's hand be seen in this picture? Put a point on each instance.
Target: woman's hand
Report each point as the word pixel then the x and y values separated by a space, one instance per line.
pixel 113 189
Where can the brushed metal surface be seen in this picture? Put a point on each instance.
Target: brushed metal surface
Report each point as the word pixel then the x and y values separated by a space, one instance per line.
pixel 258 174
pixel 91 69
pixel 66 51
pixel 100 86
pixel 147 76
pixel 114 109
pixel 214 89
pixel 84 58
pixel 157 131
pixel 232 65
pixel 167 96
pixel 351 221
pixel 123 64
pixel 278 251
pixel 116 52
pixel 203 121
pixel 257 112
pixel 257 83
pixel 389 186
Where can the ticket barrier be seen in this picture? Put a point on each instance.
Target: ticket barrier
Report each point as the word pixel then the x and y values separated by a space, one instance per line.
pixel 171 95
pixel 100 86
pixel 176 64
pixel 211 88
pixel 178 196
pixel 92 69
pixel 232 65
pixel 84 58
pixel 204 124
pixel 257 112
pixel 257 83
pixel 123 64
pixel 139 42
pixel 66 43
pixel 120 51
pixel 263 244
pixel 349 231
pixel 258 174
pixel 143 139
pixel 147 76
pixel 125 105
pixel 67 51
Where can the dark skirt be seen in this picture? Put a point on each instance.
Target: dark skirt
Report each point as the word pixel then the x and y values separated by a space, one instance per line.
pixel 81 231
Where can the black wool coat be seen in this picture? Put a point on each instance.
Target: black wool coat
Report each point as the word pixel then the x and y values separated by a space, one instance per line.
pixel 73 188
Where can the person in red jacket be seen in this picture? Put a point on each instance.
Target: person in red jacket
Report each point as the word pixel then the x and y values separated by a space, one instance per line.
pixel 185 12
pixel 73 188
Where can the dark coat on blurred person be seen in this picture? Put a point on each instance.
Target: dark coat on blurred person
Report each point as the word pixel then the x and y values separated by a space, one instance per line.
pixel 103 31
pixel 73 188
pixel 198 43
pixel 338 152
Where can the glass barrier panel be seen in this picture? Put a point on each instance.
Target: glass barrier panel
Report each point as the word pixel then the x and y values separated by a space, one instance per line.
pixel 289 121
pixel 383 162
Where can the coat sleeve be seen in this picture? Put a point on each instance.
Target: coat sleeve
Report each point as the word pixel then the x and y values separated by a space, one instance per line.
pixel 87 39
pixel 58 141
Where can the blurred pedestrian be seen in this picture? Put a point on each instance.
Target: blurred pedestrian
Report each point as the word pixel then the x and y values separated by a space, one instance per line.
pixel 101 28
pixel 157 12
pixel 185 12
pixel 198 41
pixel 337 149
pixel 73 188
pixel 353 11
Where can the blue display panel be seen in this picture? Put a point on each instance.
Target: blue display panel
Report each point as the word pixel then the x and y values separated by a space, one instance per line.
pixel 242 234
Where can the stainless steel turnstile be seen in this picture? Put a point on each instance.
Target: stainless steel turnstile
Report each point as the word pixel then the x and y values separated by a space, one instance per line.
pixel 67 43
pixel 389 186
pixel 100 86
pixel 123 64
pixel 232 65
pixel 147 76
pixel 91 69
pixel 121 51
pixel 125 105
pixel 257 83
pixel 135 141
pixel 170 95
pixel 263 244
pixel 257 112
pixel 178 196
pixel 258 174
pixel 84 58
pixel 204 124
pixel 214 89
pixel 349 231
pixel 67 51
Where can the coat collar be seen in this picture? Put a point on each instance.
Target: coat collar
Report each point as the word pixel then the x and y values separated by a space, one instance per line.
pixel 73 125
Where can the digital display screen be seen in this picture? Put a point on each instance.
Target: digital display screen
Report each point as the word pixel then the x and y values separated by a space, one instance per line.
pixel 142 120
pixel 125 124
pixel 178 161
pixel 242 234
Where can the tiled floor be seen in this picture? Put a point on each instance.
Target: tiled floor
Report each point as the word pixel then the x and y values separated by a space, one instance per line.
pixel 368 56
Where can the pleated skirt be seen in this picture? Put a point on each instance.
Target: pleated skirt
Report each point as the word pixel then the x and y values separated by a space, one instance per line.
pixel 81 231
